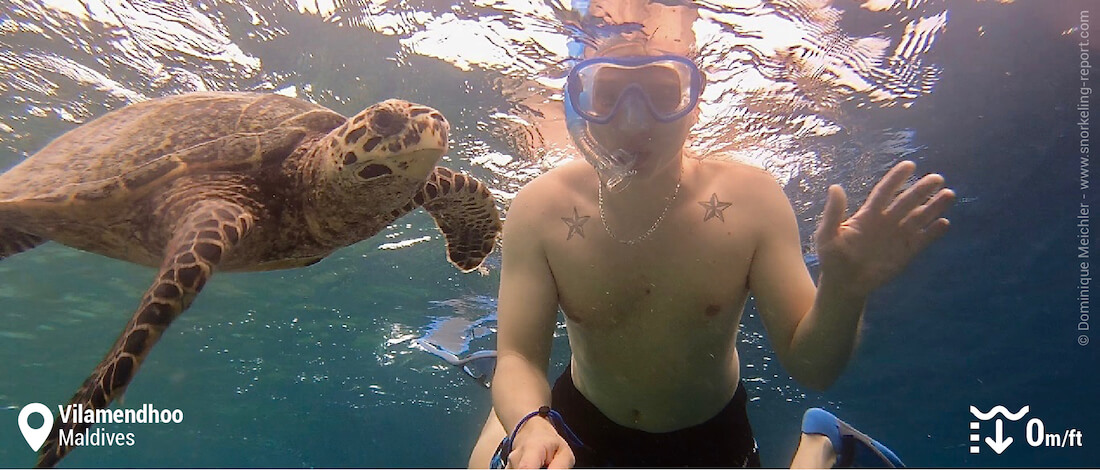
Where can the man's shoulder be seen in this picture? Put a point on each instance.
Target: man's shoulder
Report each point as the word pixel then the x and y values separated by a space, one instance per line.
pixel 555 185
pixel 569 173
pixel 753 188
pixel 551 191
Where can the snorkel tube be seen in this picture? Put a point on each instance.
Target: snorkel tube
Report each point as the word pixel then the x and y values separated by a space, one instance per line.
pixel 614 166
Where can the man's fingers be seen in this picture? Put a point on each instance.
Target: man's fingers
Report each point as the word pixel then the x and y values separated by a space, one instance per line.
pixel 916 195
pixel 922 216
pixel 526 460
pixel 562 459
pixel 930 234
pixel 888 186
pixel 836 205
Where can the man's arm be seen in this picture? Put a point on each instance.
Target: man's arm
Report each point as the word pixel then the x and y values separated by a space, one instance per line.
pixel 813 330
pixel 857 255
pixel 526 317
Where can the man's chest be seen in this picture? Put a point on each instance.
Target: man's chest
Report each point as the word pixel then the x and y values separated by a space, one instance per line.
pixel 687 267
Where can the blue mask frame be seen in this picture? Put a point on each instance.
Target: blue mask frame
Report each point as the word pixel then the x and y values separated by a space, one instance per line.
pixel 574 88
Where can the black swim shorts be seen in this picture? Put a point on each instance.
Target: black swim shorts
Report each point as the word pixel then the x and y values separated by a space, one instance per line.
pixel 723 441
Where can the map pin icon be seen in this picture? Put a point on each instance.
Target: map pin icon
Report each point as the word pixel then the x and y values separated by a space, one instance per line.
pixel 35 436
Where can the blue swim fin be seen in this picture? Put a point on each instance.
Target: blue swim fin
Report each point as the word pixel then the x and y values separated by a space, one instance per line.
pixel 481 365
pixel 853 448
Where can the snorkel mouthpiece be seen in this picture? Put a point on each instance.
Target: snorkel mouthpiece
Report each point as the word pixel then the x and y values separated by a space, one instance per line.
pixel 616 167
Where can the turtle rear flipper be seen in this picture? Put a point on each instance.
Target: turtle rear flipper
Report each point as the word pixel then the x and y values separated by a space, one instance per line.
pixel 205 234
pixel 14 241
pixel 465 212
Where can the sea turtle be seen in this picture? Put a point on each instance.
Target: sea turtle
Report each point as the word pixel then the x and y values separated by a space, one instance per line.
pixel 227 181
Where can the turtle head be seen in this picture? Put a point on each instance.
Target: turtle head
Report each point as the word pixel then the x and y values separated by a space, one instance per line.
pixel 374 164
pixel 391 144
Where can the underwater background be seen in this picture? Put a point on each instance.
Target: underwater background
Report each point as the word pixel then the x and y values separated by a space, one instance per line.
pixel 320 366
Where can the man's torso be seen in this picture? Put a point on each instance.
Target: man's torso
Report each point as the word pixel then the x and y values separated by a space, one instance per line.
pixel 653 326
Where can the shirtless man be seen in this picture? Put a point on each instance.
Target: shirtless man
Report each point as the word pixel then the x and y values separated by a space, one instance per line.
pixel 653 279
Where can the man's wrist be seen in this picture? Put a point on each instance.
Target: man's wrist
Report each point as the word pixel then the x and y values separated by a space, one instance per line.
pixel 840 291
pixel 537 425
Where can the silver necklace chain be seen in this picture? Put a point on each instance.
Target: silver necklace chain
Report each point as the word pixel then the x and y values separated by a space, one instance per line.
pixel 652 228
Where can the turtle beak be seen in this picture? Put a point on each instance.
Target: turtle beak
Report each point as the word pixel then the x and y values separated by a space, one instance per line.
pixel 426 135
pixel 420 163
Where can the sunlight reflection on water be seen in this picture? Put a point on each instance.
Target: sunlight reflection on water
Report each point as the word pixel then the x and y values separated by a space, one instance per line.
pixel 786 81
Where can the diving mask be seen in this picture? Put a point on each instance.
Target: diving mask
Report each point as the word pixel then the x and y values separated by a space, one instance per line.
pixel 667 86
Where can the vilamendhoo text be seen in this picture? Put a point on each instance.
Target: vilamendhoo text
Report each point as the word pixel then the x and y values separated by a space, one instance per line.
pixel 78 414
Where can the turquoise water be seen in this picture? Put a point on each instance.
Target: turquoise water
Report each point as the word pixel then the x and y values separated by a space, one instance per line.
pixel 317 367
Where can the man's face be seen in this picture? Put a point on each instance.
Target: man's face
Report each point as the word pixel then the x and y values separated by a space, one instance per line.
pixel 634 130
pixel 633 127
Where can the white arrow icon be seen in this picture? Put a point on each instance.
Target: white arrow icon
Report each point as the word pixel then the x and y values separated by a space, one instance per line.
pixel 35 436
pixel 1000 444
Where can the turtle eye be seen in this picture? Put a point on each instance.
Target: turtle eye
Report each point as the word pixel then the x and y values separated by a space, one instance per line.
pixel 374 171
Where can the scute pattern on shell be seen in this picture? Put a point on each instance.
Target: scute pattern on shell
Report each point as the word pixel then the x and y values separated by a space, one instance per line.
pixel 130 139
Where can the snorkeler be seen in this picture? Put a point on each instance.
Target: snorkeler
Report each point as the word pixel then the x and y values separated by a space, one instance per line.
pixel 651 257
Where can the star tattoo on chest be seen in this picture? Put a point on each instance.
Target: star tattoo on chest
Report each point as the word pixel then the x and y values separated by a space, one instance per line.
pixel 714 208
pixel 575 224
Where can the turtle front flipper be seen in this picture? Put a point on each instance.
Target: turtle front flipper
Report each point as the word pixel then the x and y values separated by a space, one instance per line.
pixel 204 235
pixel 14 241
pixel 465 212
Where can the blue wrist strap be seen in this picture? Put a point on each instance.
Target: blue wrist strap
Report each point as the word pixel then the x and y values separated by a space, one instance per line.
pixel 500 458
